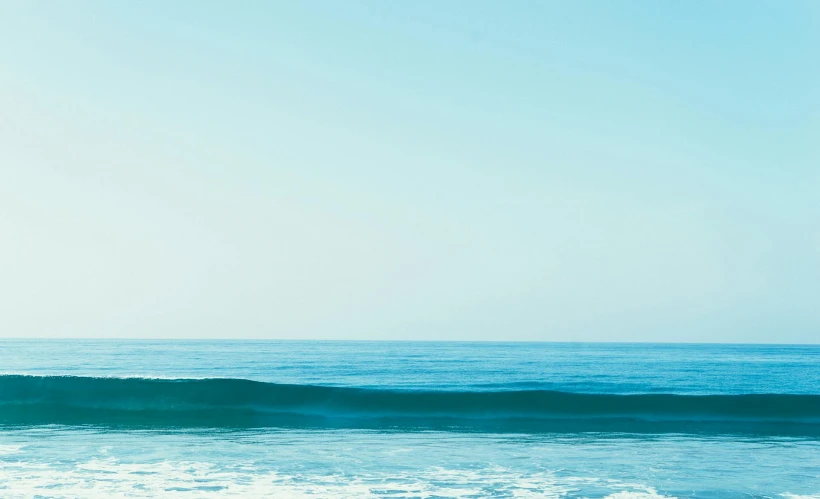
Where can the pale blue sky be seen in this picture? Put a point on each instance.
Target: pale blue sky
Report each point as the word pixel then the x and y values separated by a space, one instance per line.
pixel 603 171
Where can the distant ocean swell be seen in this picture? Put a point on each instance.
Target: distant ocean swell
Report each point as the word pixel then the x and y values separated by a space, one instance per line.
pixel 148 402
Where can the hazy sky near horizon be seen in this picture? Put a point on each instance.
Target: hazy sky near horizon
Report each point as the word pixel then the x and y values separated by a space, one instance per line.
pixel 602 171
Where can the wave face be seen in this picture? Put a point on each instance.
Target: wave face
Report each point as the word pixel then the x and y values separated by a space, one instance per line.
pixel 146 402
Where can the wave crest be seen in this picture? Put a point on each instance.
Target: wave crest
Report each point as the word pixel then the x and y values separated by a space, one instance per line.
pixel 222 402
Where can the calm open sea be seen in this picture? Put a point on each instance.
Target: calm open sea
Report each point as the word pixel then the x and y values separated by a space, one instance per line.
pixel 200 419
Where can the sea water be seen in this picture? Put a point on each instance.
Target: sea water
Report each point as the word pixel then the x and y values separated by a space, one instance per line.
pixel 200 419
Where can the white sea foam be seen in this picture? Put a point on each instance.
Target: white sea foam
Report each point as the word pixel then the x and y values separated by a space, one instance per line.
pixel 9 449
pixel 638 494
pixel 109 478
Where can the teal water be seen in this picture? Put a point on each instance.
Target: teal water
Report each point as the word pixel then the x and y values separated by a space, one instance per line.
pixel 369 419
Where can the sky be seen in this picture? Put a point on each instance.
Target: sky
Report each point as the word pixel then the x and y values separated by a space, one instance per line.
pixel 430 170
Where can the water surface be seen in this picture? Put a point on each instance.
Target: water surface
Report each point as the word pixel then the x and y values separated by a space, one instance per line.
pixel 370 419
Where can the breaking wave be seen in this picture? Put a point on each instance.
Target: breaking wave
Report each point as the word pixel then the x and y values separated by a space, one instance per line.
pixel 149 402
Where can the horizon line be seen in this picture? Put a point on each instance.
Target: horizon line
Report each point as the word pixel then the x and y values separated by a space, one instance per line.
pixel 360 340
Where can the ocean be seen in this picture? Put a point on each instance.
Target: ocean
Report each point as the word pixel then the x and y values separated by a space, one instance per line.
pixel 322 419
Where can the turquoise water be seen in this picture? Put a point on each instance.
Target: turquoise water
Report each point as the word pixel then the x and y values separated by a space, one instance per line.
pixel 368 419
